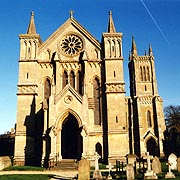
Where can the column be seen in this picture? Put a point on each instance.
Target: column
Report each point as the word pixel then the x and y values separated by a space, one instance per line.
pixel 58 144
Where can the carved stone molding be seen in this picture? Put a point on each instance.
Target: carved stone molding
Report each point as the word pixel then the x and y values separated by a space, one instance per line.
pixel 115 87
pixel 45 65
pixel 68 99
pixel 27 89
pixel 145 99
pixel 70 65
pixel 94 64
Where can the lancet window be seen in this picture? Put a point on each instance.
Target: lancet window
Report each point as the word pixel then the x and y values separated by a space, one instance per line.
pixel 144 73
pixel 65 79
pixel 149 119
pixel 47 89
pixel 72 79
pixel 75 80
pixel 96 87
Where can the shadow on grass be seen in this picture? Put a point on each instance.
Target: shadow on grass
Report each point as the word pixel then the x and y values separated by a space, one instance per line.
pixel 23 168
pixel 25 177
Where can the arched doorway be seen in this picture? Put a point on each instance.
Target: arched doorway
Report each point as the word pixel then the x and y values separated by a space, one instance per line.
pixel 71 139
pixel 152 147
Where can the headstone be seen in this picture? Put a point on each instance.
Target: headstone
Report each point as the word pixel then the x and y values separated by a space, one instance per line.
pixel 131 158
pixel 178 164
pixel 130 171
pixel 5 162
pixel 150 174
pixel 97 172
pixel 84 170
pixel 156 165
pixel 172 160
pixel 169 173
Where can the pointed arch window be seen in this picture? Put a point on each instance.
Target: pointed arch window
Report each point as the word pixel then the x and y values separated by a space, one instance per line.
pixel 65 79
pixel 96 54
pixel 113 53
pixel 148 74
pixel 109 47
pixel 144 73
pixel 72 79
pixel 149 119
pixel 119 48
pixel 80 82
pixel 141 73
pixel 47 88
pixel 96 93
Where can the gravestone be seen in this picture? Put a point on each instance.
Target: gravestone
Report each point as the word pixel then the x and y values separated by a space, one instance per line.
pixel 172 161
pixel 131 158
pixel 156 165
pixel 150 174
pixel 97 172
pixel 130 171
pixel 84 170
pixel 178 164
pixel 5 162
pixel 169 174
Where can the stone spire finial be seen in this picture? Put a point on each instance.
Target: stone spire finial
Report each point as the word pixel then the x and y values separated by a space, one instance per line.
pixel 150 51
pixel 71 13
pixel 134 49
pixel 111 27
pixel 31 28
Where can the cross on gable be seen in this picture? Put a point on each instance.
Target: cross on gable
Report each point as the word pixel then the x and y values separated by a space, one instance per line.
pixel 71 12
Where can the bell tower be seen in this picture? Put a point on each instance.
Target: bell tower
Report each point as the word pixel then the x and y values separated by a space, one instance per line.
pixel 148 118
pixel 26 95
pixel 29 42
pixel 115 90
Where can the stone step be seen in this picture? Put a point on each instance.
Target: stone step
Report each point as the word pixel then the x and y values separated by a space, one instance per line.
pixel 67 164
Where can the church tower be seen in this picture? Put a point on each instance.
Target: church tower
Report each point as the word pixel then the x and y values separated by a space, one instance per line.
pixel 148 118
pixel 27 92
pixel 115 91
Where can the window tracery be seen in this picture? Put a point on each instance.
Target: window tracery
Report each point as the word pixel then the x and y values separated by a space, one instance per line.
pixel 71 45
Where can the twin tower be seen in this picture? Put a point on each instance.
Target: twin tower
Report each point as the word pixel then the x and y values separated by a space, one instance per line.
pixel 71 97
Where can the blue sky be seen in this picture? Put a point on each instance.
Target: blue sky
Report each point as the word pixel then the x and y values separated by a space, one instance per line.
pixel 155 22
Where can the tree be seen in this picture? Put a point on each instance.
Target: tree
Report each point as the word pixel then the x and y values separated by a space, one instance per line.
pixel 172 116
pixel 171 142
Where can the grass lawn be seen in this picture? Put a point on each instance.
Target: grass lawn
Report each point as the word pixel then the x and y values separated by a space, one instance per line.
pixel 26 177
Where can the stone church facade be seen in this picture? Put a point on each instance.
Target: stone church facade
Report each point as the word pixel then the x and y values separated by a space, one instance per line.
pixel 71 97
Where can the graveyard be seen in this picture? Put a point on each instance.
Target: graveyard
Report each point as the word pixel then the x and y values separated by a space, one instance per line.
pixel 131 167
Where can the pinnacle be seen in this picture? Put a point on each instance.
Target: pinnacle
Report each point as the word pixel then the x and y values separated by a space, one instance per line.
pixel 111 27
pixel 31 28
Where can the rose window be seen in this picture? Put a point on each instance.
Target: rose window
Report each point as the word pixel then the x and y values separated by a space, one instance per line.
pixel 71 45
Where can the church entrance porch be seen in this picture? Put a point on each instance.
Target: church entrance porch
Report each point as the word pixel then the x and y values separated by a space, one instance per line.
pixel 71 139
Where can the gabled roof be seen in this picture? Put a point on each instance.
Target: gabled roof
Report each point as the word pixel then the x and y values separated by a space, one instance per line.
pixel 71 22
pixel 66 89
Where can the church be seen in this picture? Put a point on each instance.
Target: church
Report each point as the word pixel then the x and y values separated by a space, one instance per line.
pixel 71 98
